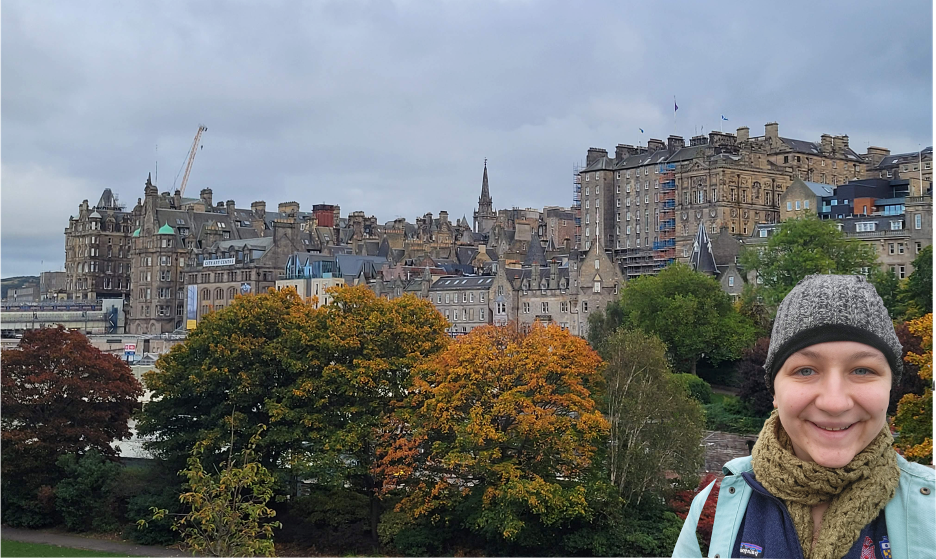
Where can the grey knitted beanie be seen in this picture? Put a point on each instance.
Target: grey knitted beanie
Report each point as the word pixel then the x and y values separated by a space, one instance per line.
pixel 828 308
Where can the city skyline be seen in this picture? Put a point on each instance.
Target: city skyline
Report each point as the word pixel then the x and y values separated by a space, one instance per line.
pixel 391 108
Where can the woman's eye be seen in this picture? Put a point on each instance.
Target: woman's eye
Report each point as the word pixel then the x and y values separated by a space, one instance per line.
pixel 805 372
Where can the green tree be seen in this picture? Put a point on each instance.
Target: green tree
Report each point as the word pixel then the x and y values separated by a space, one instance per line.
pixel 656 426
pixel 916 294
pixel 227 509
pixel 801 247
pixel 888 286
pixel 234 360
pixel 687 310
pixel 357 357
pixel 504 422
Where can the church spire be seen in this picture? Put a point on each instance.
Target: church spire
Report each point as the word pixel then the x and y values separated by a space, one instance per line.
pixel 484 216
pixel 485 192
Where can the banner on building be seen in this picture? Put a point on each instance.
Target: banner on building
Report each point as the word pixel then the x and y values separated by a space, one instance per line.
pixel 191 307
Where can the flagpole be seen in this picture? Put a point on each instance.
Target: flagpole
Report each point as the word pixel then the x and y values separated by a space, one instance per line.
pixel 675 108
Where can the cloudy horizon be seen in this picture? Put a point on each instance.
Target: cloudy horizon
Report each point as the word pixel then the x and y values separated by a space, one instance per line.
pixel 391 107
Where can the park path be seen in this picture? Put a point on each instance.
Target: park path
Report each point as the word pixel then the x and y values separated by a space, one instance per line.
pixel 74 541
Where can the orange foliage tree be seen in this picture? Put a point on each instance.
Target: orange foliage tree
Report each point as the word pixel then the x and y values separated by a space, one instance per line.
pixel 505 420
pixel 914 418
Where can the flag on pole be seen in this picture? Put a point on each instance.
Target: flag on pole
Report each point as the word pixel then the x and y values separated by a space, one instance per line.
pixel 677 106
pixel 723 118
pixel 641 130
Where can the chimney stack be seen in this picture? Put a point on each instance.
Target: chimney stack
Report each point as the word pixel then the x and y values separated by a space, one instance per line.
pixel 772 132
pixel 744 134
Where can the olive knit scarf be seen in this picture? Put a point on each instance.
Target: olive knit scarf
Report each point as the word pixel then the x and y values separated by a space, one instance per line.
pixel 857 492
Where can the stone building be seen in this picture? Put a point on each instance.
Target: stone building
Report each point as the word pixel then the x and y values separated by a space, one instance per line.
pixel 463 301
pixel 97 251
pixel 311 275
pixel 722 179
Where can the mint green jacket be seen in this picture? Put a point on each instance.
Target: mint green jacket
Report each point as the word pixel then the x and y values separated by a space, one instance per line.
pixel 910 515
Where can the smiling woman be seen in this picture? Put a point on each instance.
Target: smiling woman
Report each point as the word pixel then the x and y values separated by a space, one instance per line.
pixel 823 480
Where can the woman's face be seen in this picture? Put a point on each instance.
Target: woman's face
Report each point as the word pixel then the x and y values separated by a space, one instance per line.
pixel 832 400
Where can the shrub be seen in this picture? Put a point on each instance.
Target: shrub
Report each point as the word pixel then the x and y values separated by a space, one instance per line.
pixel 733 415
pixel 84 497
pixel 695 387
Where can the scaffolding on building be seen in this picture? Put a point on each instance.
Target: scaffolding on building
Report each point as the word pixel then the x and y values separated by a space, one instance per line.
pixel 577 203
pixel 664 248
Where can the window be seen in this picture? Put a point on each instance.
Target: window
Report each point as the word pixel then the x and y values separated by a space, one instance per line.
pixel 584 307
pixel 464 297
pixel 501 307
pixel 731 281
pixel 597 286
pixel 563 307
pixel 789 206
pixel 903 272
pixel 806 204
pixel 481 314
pixel 481 297
pixel 917 221
pixel 896 224
pixel 900 248
pixel 448 298
pixel 471 297
pixel 545 307
pixel 890 248
pixel 797 205
pixel 866 226
pixel 526 307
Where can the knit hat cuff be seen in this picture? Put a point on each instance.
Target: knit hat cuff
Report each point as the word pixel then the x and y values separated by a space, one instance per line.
pixel 831 333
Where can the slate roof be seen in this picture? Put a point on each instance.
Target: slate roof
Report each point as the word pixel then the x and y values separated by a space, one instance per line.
pixel 908 157
pixel 820 189
pixel 806 147
pixel 702 259
pixel 452 283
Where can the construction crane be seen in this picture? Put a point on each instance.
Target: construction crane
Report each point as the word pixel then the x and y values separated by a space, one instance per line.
pixel 191 158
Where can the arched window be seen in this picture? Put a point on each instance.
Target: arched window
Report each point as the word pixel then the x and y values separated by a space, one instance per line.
pixel 204 294
pixel 231 293
pixel 219 293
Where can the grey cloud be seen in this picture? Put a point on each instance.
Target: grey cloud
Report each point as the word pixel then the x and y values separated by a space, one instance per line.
pixel 390 107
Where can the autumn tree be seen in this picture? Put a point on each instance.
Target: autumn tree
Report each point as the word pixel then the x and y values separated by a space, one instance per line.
pixel 687 310
pixel 656 427
pixel 234 361
pixel 356 357
pixel 914 418
pixel 910 381
pixel 801 247
pixel 505 421
pixel 60 395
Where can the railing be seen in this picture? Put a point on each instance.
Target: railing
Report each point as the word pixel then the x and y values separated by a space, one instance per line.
pixel 666 243
pixel 664 167
pixel 880 233
pixel 668 185
pixel 666 225
pixel 671 203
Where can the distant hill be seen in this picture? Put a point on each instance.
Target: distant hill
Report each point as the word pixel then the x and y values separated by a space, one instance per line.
pixel 16 282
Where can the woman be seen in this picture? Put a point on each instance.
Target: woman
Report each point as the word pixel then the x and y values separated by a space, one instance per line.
pixel 823 479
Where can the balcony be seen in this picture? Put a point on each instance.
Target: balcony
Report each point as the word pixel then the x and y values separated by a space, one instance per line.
pixel 667 225
pixel 665 244
pixel 671 203
pixel 668 185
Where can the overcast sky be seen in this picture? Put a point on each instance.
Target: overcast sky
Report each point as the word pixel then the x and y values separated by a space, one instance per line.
pixel 391 107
